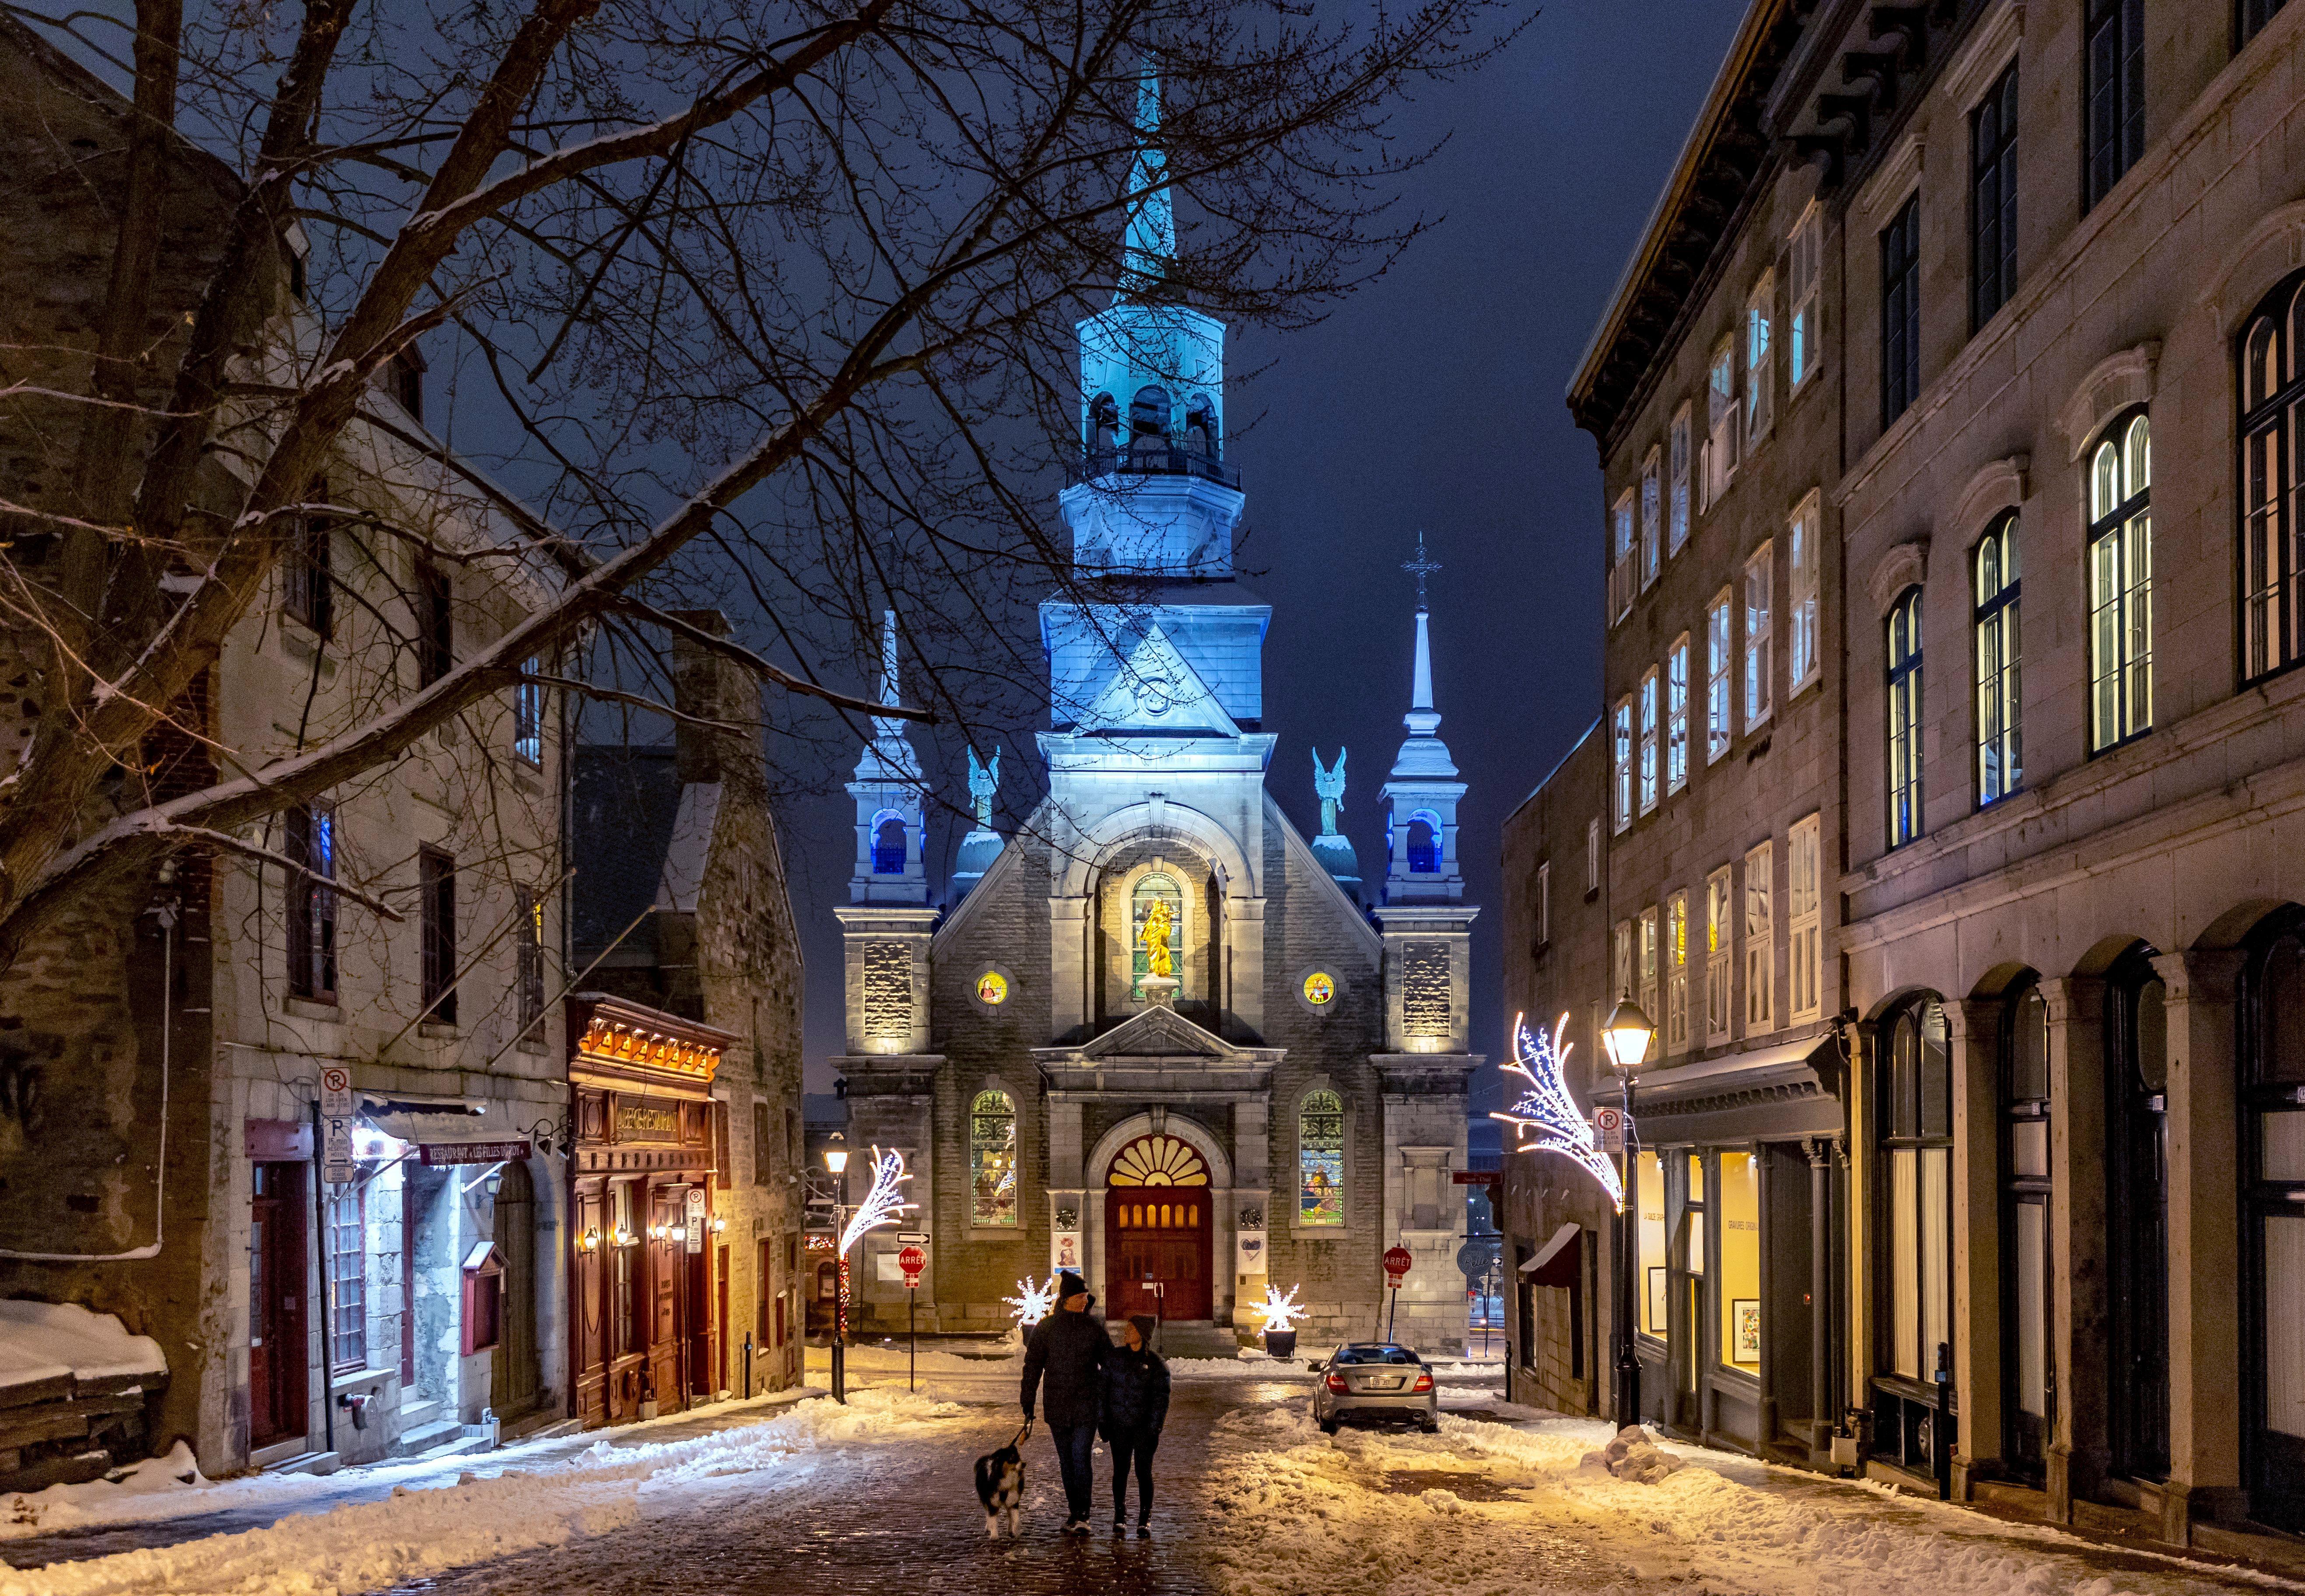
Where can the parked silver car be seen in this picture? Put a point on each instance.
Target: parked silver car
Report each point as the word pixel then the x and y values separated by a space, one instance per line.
pixel 1375 1382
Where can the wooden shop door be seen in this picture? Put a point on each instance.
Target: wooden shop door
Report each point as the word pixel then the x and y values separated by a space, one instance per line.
pixel 278 1402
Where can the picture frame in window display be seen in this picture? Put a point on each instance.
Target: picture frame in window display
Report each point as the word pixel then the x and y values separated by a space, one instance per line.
pixel 1660 1295
pixel 1745 1317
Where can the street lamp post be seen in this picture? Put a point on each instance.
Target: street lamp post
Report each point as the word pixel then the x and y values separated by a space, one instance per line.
pixel 1629 1034
pixel 836 1159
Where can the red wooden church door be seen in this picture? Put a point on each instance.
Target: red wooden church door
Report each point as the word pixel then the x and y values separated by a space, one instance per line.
pixel 1157 1225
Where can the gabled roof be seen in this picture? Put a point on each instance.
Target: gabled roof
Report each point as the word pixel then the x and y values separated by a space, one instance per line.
pixel 1159 1033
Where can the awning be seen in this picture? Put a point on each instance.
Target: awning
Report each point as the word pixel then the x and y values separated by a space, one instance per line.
pixel 1561 1261
pixel 417 1119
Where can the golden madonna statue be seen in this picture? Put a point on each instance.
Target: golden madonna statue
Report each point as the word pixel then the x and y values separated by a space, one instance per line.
pixel 1160 925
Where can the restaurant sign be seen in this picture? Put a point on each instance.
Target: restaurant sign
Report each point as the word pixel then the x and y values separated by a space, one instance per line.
pixel 644 1119
pixel 437 1153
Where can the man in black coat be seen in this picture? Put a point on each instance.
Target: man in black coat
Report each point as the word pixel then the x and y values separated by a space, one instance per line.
pixel 1063 1365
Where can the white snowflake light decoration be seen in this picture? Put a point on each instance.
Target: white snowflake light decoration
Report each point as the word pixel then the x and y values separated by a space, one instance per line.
pixel 1545 1118
pixel 1281 1313
pixel 883 1203
pixel 1033 1303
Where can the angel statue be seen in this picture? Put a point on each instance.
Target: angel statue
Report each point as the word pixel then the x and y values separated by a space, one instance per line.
pixel 1329 787
pixel 1160 923
pixel 982 783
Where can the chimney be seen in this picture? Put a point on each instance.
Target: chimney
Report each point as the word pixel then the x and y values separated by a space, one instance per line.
pixel 700 687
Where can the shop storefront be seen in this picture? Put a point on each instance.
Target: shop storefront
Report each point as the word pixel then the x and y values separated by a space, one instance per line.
pixel 1734 1288
pixel 648 1266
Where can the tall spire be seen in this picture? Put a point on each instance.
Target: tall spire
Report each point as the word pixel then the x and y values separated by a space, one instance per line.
pixel 1421 794
pixel 1421 687
pixel 1151 241
pixel 891 755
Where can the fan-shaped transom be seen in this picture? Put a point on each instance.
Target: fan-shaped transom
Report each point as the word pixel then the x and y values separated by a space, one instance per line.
pixel 1159 1161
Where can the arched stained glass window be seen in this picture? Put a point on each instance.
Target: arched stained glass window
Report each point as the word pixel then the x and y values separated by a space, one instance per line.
pixel 1321 1159
pixel 992 1158
pixel 1155 888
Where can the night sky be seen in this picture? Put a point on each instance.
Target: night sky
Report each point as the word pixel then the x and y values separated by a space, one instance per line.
pixel 1432 399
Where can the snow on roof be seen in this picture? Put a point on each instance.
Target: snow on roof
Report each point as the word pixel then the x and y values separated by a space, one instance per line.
pixel 43 1341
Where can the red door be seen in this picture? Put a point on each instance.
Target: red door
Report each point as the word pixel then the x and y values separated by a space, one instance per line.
pixel 278 1399
pixel 1156 1250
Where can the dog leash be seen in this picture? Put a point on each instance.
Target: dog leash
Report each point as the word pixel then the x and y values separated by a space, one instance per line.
pixel 1019 1440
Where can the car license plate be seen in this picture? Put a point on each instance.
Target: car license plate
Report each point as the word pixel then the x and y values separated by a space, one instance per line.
pixel 1392 1383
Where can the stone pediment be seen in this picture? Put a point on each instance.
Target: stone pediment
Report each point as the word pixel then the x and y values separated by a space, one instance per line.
pixel 1160 1039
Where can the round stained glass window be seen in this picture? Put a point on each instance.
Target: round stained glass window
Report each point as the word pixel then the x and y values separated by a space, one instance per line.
pixel 992 988
pixel 1319 988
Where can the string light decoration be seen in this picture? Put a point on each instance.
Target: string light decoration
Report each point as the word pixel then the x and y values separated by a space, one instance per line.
pixel 1033 1303
pixel 1545 1119
pixel 1281 1313
pixel 883 1202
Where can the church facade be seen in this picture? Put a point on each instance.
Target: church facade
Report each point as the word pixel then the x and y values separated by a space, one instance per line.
pixel 1155 1035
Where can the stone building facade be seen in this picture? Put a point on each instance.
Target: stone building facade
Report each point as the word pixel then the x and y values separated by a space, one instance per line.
pixel 1714 393
pixel 164 1046
pixel 2060 1010
pixel 1286 1099
pixel 1561 1231
pixel 2074 902
pixel 683 910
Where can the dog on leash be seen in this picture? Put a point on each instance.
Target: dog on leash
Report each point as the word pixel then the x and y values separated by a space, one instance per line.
pixel 1000 1486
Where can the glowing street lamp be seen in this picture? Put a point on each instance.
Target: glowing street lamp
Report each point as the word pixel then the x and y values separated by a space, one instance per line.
pixel 1630 1033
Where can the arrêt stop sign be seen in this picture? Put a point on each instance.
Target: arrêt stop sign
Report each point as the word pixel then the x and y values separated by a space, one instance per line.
pixel 912 1261
pixel 1398 1262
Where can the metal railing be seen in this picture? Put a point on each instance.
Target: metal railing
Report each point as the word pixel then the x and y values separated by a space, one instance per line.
pixel 1151 457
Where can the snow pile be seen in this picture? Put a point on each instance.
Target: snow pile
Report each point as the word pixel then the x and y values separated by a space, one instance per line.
pixel 46 1341
pixel 475 1516
pixel 1632 1455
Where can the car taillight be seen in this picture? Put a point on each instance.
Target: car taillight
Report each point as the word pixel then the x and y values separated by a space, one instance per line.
pixel 1423 1383
pixel 1337 1383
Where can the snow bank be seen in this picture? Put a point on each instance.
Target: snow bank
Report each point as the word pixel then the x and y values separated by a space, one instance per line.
pixel 46 1341
pixel 417 1532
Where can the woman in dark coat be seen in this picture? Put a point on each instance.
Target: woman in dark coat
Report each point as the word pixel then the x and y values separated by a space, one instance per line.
pixel 1135 1407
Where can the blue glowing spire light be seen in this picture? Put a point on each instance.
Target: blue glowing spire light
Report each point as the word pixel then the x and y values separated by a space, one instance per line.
pixel 1151 240
pixel 1546 1119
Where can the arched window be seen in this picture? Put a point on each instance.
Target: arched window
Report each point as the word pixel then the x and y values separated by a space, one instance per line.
pixel 1155 887
pixel 887 843
pixel 2000 741
pixel 1201 426
pixel 1905 719
pixel 1149 419
pixel 2273 410
pixel 2026 1191
pixel 1321 1159
pixel 1424 843
pixel 2121 585
pixel 1103 423
pixel 992 1158
pixel 2273 1157
pixel 1913 1197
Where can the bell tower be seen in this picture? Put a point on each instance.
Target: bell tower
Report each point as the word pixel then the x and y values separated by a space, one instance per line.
pixel 886 923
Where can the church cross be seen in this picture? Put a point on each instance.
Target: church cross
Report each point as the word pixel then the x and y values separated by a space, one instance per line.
pixel 1420 568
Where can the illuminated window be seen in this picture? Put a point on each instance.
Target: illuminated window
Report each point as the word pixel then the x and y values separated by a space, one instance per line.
pixel 1736 1203
pixel 1914 1094
pixel 312 903
pixel 1321 1159
pixel 2120 586
pixel 1648 1198
pixel 1675 973
pixel 1649 708
pixel 1647 953
pixel 1676 715
pixel 992 1158
pixel 1760 940
pixel 1804 908
pixel 1720 463
pixel 1760 388
pixel 1805 262
pixel 1155 888
pixel 1905 719
pixel 1804 658
pixel 1759 640
pixel 1320 989
pixel 1621 557
pixel 529 962
pixel 1999 740
pixel 1716 676
pixel 1652 517
pixel 1622 755
pixel 528 714
pixel 1718 936
pixel 1677 522
pixel 2273 537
